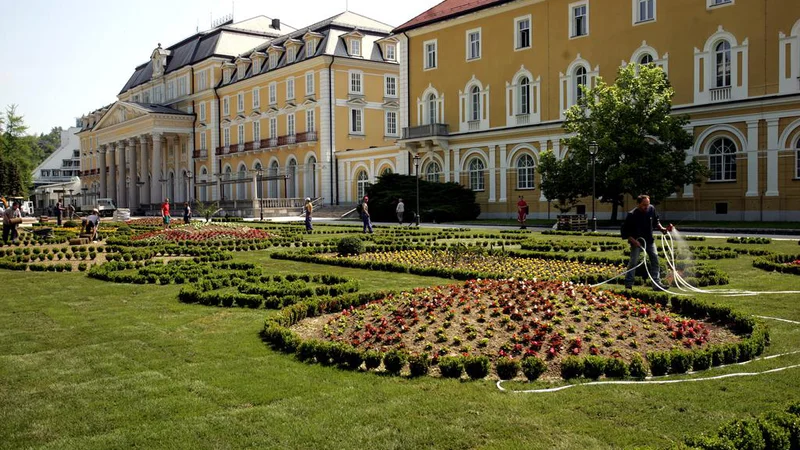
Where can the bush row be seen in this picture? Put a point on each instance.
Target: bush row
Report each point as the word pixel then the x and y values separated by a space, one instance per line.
pixel 749 240
pixel 778 263
pixel 772 430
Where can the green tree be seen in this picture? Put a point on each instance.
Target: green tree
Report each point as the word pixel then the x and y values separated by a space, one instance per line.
pixel 440 202
pixel 16 153
pixel 46 144
pixel 642 146
pixel 558 183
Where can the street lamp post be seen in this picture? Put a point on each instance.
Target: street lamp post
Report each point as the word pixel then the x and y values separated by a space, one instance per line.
pixel 593 153
pixel 85 198
pixel 259 190
pixel 416 172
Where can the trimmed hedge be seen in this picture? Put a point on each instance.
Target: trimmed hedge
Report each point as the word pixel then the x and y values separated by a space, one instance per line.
pixel 772 430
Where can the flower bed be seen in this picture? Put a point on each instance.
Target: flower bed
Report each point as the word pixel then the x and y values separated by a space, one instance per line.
pixel 202 232
pixel 153 222
pixel 539 327
pixel 779 263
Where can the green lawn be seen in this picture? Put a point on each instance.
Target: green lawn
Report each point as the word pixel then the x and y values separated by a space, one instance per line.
pixel 89 364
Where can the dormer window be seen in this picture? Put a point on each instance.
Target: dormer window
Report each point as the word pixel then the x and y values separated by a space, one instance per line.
pixel 390 52
pixel 273 60
pixel 353 41
pixel 290 55
pixel 257 61
pixel 311 48
pixel 227 72
pixel 159 61
pixel 241 68
pixel 388 47
pixel 275 52
pixel 355 47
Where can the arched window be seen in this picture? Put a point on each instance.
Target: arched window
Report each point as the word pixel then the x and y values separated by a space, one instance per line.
pixel 432 172
pixel 311 177
pixel 361 184
pixel 272 186
pixel 524 96
pixel 260 186
pixel 475 102
pixel 431 109
pixel 291 174
pixel 646 59
pixel 226 187
pixel 722 160
pixel 387 171
pixel 525 172
pixel 241 186
pixel 580 80
pixel 723 59
pixel 476 168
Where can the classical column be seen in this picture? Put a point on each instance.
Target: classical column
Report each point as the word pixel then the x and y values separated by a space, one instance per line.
pixel 165 162
pixel 457 165
pixel 772 158
pixel 145 170
pixel 133 201
pixel 752 159
pixel 112 171
pixel 492 175
pixel 178 174
pixel 122 181
pixel 190 167
pixel 446 168
pixel 503 173
pixel 155 170
pixel 102 167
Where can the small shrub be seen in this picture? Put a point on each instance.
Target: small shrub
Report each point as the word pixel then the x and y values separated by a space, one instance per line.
pixel 372 359
pixel 451 366
pixel 775 436
pixel 419 364
pixel 702 360
pixel 394 361
pixel 533 367
pixel 594 366
pixel 352 245
pixel 508 368
pixel 680 361
pixel 82 267
pixel 571 367
pixel 305 351
pixel 616 368
pixel 477 367
pixel 637 368
pixel 743 434
pixel 353 358
pixel 659 362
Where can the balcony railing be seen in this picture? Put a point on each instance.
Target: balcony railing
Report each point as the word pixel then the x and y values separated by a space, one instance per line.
pixel 308 136
pixel 423 131
pixel 720 94
pixel 249 146
pixel 287 140
pixel 474 125
pixel 233 148
pixel 269 143
pixel 220 151
pixel 202 153
pixel 523 119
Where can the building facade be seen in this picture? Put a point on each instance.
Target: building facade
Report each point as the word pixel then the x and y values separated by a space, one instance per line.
pixel 487 83
pixel 58 176
pixel 248 114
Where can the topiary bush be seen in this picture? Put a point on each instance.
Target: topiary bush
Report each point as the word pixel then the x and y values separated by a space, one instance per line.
pixel 372 359
pixel 477 367
pixel 616 368
pixel 533 367
pixel 659 362
pixel 636 368
pixel 394 361
pixel 419 365
pixel 451 366
pixel 594 366
pixel 680 361
pixel 571 367
pixel 350 246
pixel 507 368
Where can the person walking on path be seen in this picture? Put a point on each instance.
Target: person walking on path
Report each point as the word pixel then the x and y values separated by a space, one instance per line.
pixel 400 210
pixel 59 212
pixel 187 212
pixel 522 213
pixel 12 217
pixel 308 209
pixel 365 215
pixel 165 217
pixel 638 230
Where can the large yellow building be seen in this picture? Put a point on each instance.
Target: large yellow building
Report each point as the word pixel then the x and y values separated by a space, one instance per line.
pixel 488 82
pixel 249 111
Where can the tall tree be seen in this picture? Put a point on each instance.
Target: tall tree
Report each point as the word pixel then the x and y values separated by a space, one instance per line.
pixel 16 153
pixel 642 146
pixel 558 183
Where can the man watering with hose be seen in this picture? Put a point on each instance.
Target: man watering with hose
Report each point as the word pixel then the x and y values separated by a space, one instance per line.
pixel 638 230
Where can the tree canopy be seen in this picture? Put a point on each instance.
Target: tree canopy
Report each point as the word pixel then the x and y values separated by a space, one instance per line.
pixel 20 153
pixel 440 202
pixel 642 146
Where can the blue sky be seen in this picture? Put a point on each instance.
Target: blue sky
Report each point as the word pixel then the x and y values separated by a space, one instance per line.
pixel 62 59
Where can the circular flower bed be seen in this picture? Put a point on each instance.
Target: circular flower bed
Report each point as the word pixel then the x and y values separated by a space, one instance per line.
pixel 201 232
pixel 568 329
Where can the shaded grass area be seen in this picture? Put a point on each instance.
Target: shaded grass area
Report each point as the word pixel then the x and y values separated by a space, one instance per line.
pixel 90 364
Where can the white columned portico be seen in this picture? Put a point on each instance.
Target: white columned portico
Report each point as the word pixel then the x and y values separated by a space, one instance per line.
pixel 752 159
pixel 492 175
pixel 133 188
pixel 122 181
pixel 165 169
pixel 772 158
pixel 155 170
pixel 145 171
pixel 101 165
pixel 457 165
pixel 446 168
pixel 112 171
pixel 176 192
pixel 190 169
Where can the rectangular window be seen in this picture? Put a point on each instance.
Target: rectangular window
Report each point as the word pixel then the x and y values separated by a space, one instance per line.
pixel 171 90
pixel 645 10
pixel 356 122
pixel 579 25
pixel 256 131
pixel 290 55
pixel 355 83
pixel 273 127
pixel 310 83
pixel 135 99
pixel 273 93
pixel 311 48
pixel 522 32
pixel 202 80
pixel 355 47
pixel 273 60
pixel 391 52
pixel 391 123
pixel 310 125
pixel 241 134
pixel 202 111
pixel 146 97
pixel 240 102
pixel 289 88
pixel 203 141
pixel 290 124
pixel 256 97
pixel 182 87
pixel 256 66
pixel 226 108
pixel 430 55
pixel 391 86
pixel 226 136
pixel 712 3
pixel 474 44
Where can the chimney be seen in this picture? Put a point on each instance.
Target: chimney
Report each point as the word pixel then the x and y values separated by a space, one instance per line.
pixel 276 24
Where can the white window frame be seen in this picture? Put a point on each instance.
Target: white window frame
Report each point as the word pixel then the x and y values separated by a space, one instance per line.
pixel 226 136
pixel 291 129
pixel 391 52
pixel 240 102
pixel 311 48
pixel 714 4
pixel 202 111
pixel 256 97
pixel 202 80
pixel 722 157
pixel 203 141
pixel 256 130
pixel 170 89
pixel 432 176
pixel 716 54
pixel 354 76
pixel 274 57
pixel 517 44
pixel 311 123
pixel 427 53
pixel 290 88
pixel 355 47
pixel 273 127
pixel 530 177
pixel 476 176
pixel 577 83
pixel 273 93
pixel 356 116
pixel 182 86
pixel 475 102
pixel 226 106
pixel 386 91
pixel 390 118
pixel 469 47
pixel 240 134
pixel 637 18
pixel 310 83
pixel 291 52
pixel 572 17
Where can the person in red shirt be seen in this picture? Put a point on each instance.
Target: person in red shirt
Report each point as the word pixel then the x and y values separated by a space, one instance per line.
pixel 165 213
pixel 522 212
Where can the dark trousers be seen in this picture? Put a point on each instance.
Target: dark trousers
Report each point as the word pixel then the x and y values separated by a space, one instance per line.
pixel 10 229
pixel 308 223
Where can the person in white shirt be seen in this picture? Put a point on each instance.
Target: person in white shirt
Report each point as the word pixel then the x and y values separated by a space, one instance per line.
pixel 12 217
pixel 400 210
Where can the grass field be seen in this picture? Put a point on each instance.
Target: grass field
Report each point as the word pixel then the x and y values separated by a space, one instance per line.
pixel 90 364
